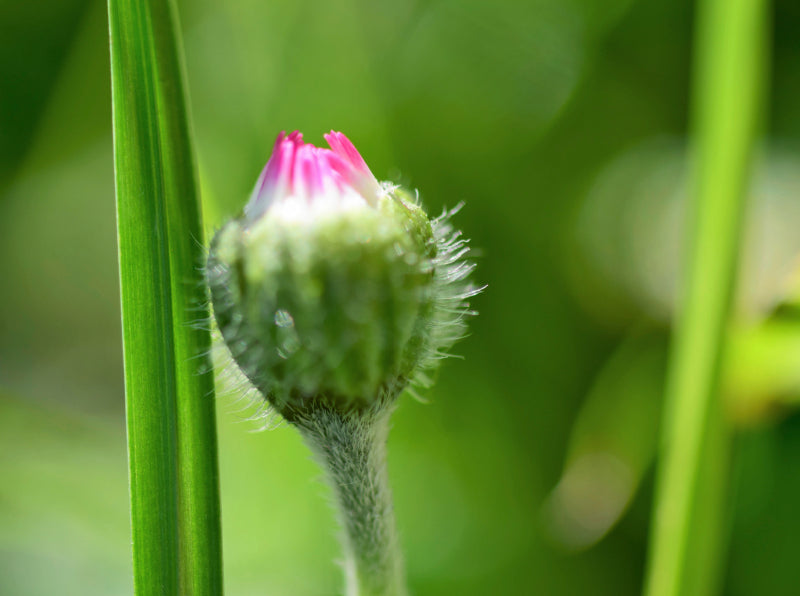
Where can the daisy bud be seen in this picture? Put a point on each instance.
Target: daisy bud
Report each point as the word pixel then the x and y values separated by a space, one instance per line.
pixel 332 286
pixel 333 292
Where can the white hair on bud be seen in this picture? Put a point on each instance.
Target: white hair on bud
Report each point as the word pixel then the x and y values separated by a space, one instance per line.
pixel 451 293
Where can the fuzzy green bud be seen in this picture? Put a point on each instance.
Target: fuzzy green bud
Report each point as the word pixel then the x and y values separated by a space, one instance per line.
pixel 332 287
pixel 332 293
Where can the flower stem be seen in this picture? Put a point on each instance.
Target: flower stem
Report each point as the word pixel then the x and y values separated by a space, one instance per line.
pixel 690 489
pixel 351 447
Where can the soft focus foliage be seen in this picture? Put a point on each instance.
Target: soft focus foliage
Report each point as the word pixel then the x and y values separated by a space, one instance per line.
pixel 530 112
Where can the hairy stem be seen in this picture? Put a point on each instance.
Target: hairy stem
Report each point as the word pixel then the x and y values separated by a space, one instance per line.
pixel 351 447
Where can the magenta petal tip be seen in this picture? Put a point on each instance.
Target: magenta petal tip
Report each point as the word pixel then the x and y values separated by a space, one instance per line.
pixel 301 170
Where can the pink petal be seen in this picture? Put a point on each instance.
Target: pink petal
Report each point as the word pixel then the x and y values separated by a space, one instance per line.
pixel 269 173
pixel 276 177
pixel 342 146
pixel 307 175
pixel 303 170
pixel 358 173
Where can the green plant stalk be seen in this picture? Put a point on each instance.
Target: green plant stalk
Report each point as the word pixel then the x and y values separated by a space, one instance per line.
pixel 690 486
pixel 351 448
pixel 169 385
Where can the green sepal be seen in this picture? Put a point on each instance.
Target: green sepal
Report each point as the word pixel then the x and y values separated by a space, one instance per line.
pixel 337 306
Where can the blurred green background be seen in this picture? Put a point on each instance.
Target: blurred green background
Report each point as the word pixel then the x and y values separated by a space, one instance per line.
pixel 562 126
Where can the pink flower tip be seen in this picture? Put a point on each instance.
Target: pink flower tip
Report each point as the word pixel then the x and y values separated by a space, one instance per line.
pixel 299 171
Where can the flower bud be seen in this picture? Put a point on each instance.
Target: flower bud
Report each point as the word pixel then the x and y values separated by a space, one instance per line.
pixel 332 286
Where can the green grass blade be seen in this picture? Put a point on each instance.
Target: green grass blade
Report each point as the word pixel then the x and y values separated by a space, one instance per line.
pixel 199 512
pixel 687 519
pixel 169 387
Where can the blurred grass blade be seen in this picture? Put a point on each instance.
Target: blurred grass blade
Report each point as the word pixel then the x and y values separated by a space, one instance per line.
pixel 612 444
pixel 690 489
pixel 169 387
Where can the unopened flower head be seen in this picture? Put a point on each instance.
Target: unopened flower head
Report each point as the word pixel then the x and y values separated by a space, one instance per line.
pixel 332 286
